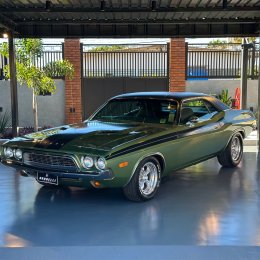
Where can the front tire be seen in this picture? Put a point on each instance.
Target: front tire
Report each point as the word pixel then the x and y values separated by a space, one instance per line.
pixel 145 181
pixel 233 153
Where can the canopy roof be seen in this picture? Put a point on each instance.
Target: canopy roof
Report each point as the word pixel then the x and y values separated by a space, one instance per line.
pixel 131 18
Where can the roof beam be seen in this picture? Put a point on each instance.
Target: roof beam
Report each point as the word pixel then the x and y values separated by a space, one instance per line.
pixel 136 21
pixel 128 10
pixel 138 30
pixel 7 22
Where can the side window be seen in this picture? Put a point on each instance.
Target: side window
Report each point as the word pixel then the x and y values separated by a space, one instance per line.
pixel 210 107
pixel 198 110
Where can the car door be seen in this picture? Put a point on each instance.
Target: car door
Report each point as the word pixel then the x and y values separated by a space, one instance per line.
pixel 201 126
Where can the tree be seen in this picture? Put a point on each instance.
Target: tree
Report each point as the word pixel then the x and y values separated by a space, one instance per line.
pixel 108 48
pixel 218 44
pixel 38 80
pixel 240 40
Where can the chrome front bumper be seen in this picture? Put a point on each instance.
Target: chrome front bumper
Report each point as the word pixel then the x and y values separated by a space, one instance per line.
pixel 88 176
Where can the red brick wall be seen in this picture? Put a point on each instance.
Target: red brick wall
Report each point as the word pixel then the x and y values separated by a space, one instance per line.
pixel 73 87
pixel 177 65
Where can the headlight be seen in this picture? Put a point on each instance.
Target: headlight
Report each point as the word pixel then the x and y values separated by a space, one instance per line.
pixel 18 154
pixel 8 152
pixel 87 162
pixel 101 163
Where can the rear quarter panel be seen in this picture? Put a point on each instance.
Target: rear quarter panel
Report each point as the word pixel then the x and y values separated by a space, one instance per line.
pixel 240 120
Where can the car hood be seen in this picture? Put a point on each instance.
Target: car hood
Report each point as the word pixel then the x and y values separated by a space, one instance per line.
pixel 90 136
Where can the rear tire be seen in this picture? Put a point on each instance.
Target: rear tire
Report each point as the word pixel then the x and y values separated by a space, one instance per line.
pixel 145 181
pixel 232 155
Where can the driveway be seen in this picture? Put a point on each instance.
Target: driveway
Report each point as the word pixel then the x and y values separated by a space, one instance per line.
pixel 200 205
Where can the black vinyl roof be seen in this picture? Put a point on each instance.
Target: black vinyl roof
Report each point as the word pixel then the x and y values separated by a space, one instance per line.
pixel 130 18
pixel 163 94
pixel 178 96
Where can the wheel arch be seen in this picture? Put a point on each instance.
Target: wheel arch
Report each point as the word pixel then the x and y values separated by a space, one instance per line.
pixel 241 132
pixel 159 156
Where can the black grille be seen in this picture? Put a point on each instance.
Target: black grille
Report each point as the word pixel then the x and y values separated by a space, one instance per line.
pixel 49 161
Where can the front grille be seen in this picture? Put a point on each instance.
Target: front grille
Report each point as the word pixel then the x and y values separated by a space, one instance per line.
pixel 50 161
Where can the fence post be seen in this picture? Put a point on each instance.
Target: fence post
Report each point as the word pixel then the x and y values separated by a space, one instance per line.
pixel 168 65
pixel 253 62
pixel 62 50
pixel 82 82
pixel 5 63
pixel 186 59
pixel 243 95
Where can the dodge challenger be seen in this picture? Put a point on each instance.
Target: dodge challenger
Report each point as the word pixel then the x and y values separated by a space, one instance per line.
pixel 132 141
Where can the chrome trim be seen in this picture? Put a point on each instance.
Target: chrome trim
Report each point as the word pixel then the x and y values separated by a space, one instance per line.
pixel 96 161
pixel 148 181
pixel 84 166
pixel 77 166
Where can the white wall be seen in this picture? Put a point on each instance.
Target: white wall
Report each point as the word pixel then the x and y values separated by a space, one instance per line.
pixel 216 86
pixel 51 109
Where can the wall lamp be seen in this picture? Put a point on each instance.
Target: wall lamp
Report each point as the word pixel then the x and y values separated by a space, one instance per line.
pixel 5 35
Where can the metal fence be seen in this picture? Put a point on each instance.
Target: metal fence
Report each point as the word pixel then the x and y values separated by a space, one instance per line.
pixel 220 61
pixel 132 61
pixel 50 53
pixel 138 61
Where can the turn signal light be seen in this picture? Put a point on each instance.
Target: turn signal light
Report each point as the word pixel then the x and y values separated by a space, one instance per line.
pixel 122 164
pixel 97 184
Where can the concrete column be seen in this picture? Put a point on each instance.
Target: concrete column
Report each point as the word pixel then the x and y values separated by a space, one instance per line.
pixel 177 65
pixel 73 106
pixel 13 84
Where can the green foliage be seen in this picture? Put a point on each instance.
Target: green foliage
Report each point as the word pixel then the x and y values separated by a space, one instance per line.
pixel 225 98
pixel 4 122
pixel 218 44
pixel 40 81
pixel 108 48
pixel 240 40
pixel 4 49
pixel 59 68
pixel 26 50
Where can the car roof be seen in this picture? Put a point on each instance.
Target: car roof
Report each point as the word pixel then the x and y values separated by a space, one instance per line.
pixel 163 94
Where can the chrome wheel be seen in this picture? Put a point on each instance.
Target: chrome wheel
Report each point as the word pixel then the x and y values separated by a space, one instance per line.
pixel 235 148
pixel 148 178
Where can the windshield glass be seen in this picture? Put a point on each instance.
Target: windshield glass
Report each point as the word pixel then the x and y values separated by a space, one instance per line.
pixel 138 110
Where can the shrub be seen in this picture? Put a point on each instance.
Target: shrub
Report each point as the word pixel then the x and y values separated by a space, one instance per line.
pixel 225 98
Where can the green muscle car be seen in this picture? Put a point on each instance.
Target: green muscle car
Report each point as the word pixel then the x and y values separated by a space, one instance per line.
pixel 133 141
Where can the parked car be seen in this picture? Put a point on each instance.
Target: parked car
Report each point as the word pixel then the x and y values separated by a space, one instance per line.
pixel 133 141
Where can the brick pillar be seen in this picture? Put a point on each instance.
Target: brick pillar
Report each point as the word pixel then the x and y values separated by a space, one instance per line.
pixel 177 66
pixel 72 53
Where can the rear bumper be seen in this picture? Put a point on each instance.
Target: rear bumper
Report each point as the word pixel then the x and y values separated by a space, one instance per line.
pixel 86 176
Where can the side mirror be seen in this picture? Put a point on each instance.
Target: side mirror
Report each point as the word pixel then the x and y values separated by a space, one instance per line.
pixel 194 120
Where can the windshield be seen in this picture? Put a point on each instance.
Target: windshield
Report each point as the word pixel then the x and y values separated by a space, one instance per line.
pixel 138 110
